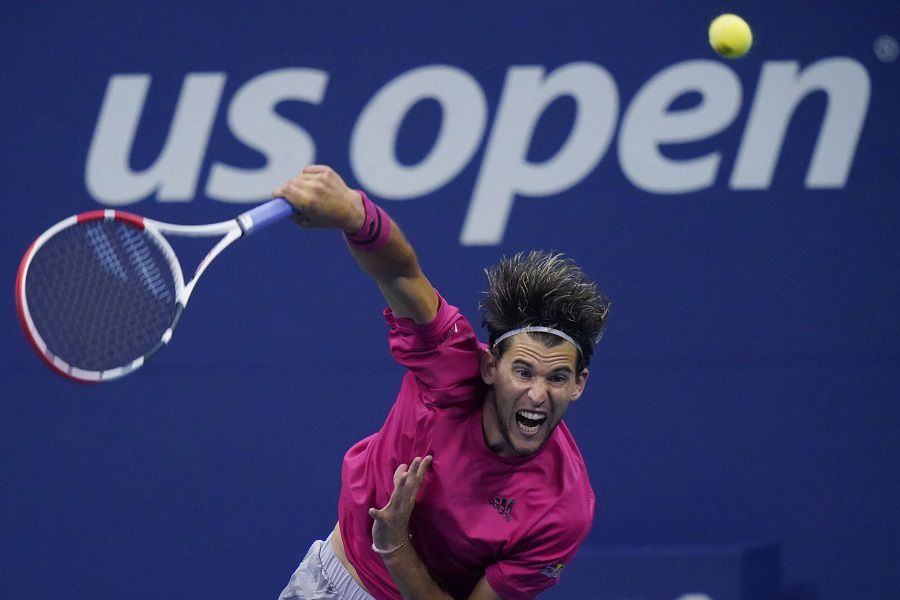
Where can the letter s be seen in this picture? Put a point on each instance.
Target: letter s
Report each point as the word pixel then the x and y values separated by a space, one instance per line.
pixel 253 120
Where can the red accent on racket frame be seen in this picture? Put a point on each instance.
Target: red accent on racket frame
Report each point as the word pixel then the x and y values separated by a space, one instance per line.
pixel 20 293
pixel 118 215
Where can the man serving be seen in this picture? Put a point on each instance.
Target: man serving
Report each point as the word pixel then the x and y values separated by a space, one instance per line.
pixel 473 487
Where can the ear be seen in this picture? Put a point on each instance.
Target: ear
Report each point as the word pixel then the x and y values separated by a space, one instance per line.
pixel 488 366
pixel 580 382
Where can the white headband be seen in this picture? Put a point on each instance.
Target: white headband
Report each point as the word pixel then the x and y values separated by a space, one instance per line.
pixel 539 329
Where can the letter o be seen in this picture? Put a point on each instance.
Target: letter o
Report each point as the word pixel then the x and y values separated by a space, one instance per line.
pixel 373 143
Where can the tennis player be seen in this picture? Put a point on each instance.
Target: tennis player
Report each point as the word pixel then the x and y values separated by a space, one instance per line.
pixel 473 487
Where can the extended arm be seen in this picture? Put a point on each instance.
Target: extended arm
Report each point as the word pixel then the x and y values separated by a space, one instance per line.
pixel 322 199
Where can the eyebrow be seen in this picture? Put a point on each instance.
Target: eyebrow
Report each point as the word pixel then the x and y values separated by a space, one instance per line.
pixel 530 365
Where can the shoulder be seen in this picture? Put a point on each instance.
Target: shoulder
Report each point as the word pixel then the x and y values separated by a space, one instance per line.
pixel 570 499
pixel 443 355
pixel 566 461
pixel 449 324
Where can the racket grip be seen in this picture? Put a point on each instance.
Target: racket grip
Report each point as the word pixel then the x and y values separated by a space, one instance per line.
pixel 265 214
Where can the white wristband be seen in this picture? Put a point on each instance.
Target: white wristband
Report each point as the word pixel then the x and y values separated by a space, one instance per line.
pixel 391 550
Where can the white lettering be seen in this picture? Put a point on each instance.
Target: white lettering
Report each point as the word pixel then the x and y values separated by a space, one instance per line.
pixel 253 120
pixel 648 123
pixel 651 121
pixel 506 171
pixel 372 146
pixel 109 177
pixel 781 89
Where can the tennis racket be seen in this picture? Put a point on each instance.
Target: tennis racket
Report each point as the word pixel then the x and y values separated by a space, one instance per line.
pixel 101 292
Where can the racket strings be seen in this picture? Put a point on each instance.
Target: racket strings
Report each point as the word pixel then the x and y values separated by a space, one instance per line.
pixel 100 294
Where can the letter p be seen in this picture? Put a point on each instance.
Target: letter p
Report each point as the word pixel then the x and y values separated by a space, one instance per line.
pixel 506 171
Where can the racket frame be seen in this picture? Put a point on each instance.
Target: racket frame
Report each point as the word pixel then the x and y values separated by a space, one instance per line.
pixel 230 230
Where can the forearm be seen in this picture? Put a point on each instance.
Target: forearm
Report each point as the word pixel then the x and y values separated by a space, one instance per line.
pixel 411 577
pixel 395 269
pixel 395 259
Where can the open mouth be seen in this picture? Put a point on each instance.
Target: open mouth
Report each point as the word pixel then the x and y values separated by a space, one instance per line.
pixel 529 421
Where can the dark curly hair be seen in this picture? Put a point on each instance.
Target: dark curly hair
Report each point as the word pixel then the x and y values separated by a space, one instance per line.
pixel 544 289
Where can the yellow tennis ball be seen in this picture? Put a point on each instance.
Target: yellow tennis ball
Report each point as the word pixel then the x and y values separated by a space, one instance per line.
pixel 730 36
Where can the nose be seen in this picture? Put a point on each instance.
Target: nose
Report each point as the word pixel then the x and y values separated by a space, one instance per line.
pixel 538 392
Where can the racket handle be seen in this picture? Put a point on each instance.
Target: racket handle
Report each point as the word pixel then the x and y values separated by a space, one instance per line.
pixel 265 214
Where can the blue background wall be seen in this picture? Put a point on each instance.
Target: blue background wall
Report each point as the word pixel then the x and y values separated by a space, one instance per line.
pixel 747 389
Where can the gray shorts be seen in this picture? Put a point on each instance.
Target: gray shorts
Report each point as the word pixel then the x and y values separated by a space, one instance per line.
pixel 321 576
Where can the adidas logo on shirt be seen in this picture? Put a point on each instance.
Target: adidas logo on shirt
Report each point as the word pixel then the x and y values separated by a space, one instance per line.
pixel 503 505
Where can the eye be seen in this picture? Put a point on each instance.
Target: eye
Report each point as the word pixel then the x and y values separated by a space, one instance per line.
pixel 559 379
pixel 521 372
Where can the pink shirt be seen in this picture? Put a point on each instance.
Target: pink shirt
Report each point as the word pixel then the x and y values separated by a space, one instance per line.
pixel 516 520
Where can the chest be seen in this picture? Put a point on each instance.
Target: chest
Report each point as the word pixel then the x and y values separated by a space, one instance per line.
pixel 477 505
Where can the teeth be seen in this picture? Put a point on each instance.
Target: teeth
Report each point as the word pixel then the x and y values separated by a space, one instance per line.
pixel 529 429
pixel 532 415
pixel 530 422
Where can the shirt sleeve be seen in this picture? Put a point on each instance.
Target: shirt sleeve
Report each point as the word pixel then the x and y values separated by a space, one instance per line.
pixel 443 355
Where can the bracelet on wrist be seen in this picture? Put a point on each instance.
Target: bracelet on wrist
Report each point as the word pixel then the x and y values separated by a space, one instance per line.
pixel 389 551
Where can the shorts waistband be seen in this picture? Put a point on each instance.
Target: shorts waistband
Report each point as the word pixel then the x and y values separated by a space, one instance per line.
pixel 338 576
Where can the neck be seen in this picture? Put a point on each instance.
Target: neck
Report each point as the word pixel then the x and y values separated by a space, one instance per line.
pixel 490 432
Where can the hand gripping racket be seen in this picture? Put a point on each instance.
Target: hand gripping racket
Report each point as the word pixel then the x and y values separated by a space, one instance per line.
pixel 101 292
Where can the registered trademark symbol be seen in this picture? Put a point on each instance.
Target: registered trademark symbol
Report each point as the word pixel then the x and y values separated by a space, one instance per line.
pixel 886 48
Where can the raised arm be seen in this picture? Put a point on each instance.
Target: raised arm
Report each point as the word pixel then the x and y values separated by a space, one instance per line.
pixel 323 200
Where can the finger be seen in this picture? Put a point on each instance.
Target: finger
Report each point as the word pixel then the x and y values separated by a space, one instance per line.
pixel 312 169
pixel 419 465
pixel 290 193
pixel 423 466
pixel 398 474
pixel 307 178
pixel 291 187
pixel 412 488
pixel 375 514
pixel 417 476
pixel 410 477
